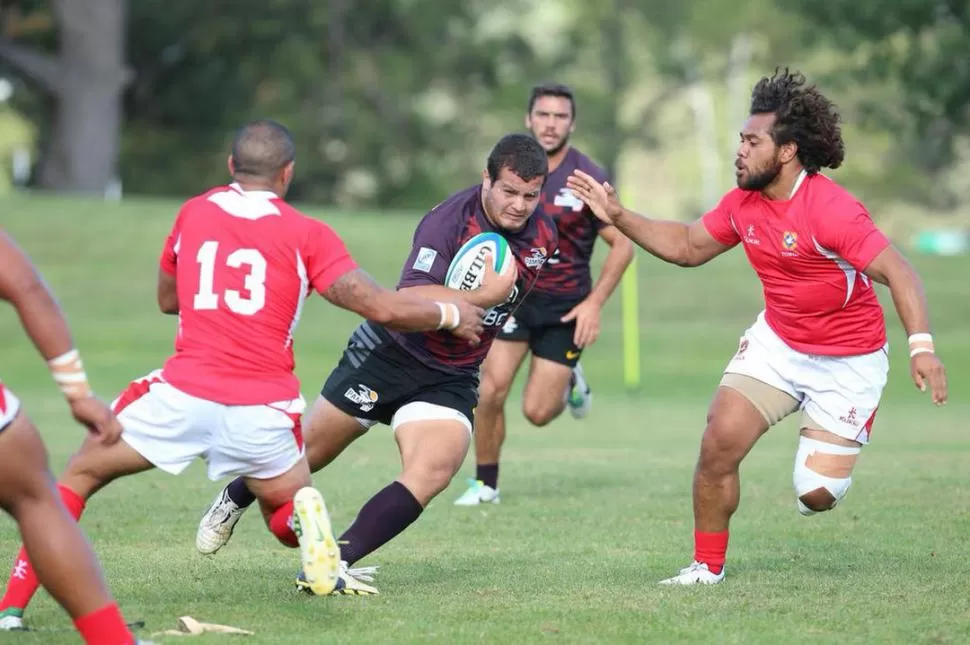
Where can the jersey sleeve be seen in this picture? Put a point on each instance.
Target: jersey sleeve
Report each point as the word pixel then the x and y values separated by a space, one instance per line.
pixel 847 229
pixel 327 257
pixel 432 249
pixel 168 262
pixel 718 222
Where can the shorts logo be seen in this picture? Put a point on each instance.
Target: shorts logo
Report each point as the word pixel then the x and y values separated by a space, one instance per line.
pixel 363 396
pixel 742 348
pixel 570 354
pixel 425 259
pixel 536 258
pixel 510 326
pixel 850 418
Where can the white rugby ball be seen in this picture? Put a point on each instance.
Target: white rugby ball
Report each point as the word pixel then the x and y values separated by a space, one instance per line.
pixel 467 267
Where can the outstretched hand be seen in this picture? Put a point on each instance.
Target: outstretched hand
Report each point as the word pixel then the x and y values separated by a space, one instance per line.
pixel 600 197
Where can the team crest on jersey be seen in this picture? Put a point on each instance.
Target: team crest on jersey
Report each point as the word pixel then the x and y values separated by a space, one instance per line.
pixel 567 199
pixel 363 396
pixel 537 257
pixel 789 242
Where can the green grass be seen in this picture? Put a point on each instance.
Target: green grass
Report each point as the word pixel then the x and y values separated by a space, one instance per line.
pixel 593 512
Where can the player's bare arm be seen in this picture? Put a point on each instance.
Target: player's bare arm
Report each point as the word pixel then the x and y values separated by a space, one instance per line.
pixel 587 313
pixel 686 245
pixel 168 299
pixel 494 290
pixel 893 270
pixel 22 286
pixel 358 292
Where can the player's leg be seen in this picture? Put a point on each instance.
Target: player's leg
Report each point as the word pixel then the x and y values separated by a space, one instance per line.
pixel 95 465
pixel 498 372
pixel 842 396
pixel 433 439
pixel 327 431
pixel 752 397
pixel 264 444
pixel 58 551
pixel 555 378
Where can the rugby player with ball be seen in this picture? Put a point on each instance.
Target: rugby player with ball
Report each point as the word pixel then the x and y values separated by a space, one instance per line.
pixel 488 242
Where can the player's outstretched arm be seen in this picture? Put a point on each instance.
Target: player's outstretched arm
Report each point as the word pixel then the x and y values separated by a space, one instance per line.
pixel 686 245
pixel 43 320
pixel 893 270
pixel 358 292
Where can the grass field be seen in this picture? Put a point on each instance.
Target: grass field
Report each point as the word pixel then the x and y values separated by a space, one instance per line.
pixel 593 512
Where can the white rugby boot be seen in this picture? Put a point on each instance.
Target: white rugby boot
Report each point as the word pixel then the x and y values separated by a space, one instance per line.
pixel 696 574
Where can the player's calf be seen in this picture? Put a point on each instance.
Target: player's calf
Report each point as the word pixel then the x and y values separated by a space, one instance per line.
pixel 823 471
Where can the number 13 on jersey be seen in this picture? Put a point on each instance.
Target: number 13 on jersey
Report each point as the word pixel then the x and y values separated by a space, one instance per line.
pixel 255 281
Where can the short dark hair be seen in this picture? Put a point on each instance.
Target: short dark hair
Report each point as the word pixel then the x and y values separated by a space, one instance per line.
pixel 552 89
pixel 521 154
pixel 262 148
pixel 803 115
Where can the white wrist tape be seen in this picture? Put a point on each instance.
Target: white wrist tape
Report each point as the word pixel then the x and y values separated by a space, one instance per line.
pixel 921 343
pixel 68 372
pixel 450 315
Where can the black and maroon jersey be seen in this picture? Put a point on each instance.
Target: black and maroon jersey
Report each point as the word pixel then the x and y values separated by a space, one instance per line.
pixel 436 241
pixel 567 273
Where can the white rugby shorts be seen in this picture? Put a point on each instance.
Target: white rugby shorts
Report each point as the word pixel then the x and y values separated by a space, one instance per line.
pixel 170 428
pixel 840 393
pixel 9 407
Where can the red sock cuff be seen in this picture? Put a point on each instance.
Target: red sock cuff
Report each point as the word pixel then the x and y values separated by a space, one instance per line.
pixel 74 503
pixel 105 626
pixel 711 549
pixel 281 525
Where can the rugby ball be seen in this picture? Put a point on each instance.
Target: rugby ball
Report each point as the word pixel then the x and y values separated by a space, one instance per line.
pixel 467 267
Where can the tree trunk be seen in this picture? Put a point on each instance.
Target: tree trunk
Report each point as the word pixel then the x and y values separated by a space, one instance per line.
pixel 86 132
pixel 86 80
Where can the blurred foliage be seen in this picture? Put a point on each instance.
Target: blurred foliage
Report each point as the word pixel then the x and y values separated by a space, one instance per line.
pixel 395 103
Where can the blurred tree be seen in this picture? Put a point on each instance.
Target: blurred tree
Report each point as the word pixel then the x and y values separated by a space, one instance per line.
pixel 912 60
pixel 73 52
pixel 383 97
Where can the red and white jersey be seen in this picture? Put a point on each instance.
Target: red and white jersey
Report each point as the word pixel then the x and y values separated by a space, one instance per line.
pixel 244 261
pixel 810 252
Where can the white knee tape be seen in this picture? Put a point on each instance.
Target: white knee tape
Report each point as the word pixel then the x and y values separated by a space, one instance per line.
pixel 424 411
pixel 806 480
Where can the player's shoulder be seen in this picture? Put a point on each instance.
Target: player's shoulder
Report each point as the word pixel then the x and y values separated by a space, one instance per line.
pixel 457 207
pixel 575 159
pixel 737 198
pixel 829 198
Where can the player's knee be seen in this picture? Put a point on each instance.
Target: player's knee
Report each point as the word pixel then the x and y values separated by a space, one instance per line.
pixel 492 392
pixel 539 413
pixel 822 474
pixel 720 453
pixel 427 480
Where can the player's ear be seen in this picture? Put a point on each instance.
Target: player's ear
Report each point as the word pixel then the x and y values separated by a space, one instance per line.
pixel 528 121
pixel 788 152
pixel 232 166
pixel 486 181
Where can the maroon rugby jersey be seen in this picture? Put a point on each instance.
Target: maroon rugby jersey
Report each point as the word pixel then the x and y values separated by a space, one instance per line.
pixel 436 241
pixel 568 273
